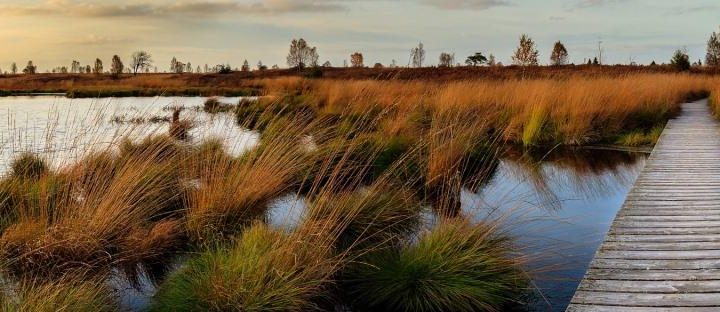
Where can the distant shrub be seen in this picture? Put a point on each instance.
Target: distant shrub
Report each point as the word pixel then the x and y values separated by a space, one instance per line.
pixel 313 72
pixel 224 69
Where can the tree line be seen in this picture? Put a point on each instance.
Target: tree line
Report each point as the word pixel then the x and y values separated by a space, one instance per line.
pixel 301 55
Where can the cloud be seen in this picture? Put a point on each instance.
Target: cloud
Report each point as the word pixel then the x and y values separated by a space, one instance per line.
pixel 464 4
pixel 693 9
pixel 592 3
pixel 93 39
pixel 179 8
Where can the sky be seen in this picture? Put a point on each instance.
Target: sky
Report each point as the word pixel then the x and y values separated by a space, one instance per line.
pixel 56 32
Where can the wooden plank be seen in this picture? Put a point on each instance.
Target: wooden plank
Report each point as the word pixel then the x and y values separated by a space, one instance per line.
pixel 652 275
pixel 601 308
pixel 662 287
pixel 676 238
pixel 662 252
pixel 661 246
pixel 644 264
pixel 658 255
pixel 648 300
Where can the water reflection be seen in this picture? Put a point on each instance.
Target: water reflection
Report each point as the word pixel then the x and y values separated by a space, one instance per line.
pixel 559 205
pixel 64 130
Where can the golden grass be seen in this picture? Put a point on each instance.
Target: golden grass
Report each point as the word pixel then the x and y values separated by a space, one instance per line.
pixel 67 295
pixel 574 110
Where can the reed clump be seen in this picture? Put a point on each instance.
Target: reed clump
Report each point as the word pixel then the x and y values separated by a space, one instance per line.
pixel 264 270
pixel 458 266
pixel 82 219
pixel 68 295
pixel 232 193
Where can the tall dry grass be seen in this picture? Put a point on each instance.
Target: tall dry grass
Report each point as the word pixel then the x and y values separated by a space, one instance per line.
pixel 572 110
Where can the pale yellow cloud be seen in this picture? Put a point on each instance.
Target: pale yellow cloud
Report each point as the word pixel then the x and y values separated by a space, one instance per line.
pixel 179 8
pixel 465 4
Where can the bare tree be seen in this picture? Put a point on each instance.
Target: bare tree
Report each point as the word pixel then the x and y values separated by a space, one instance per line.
pixel 116 67
pixel 491 60
pixel 301 54
pixel 140 61
pixel 245 66
pixel 559 55
pixel 712 58
pixel 13 68
pixel 179 67
pixel 526 54
pixel 446 59
pixel 188 68
pixel 357 59
pixel 98 69
pixel 417 55
pixel 75 67
pixel 30 69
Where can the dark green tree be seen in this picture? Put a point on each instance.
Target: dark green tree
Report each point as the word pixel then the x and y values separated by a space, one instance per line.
pixel 476 60
pixel 680 60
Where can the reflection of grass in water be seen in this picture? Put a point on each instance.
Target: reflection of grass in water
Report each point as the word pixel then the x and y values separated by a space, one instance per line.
pixel 526 190
pixel 573 169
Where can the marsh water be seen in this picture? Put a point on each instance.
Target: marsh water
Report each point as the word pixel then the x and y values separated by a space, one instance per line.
pixel 558 204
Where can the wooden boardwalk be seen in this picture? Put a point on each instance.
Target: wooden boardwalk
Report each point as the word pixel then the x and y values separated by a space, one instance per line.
pixel 663 250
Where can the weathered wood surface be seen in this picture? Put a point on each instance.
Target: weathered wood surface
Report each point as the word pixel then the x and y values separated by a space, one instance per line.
pixel 662 252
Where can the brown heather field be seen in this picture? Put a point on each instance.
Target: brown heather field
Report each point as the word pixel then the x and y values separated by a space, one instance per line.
pixel 216 84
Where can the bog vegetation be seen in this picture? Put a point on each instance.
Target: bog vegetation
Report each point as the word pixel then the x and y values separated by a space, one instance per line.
pixel 378 165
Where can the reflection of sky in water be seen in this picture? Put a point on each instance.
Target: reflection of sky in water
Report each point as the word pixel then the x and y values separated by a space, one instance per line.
pixel 560 211
pixel 65 129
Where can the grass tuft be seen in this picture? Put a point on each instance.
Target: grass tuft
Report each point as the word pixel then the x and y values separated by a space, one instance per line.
pixel 456 267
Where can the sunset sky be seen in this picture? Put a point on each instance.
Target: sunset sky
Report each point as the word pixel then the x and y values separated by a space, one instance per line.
pixel 54 32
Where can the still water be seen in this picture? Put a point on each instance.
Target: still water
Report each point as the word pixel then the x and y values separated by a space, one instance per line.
pixel 65 129
pixel 558 205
